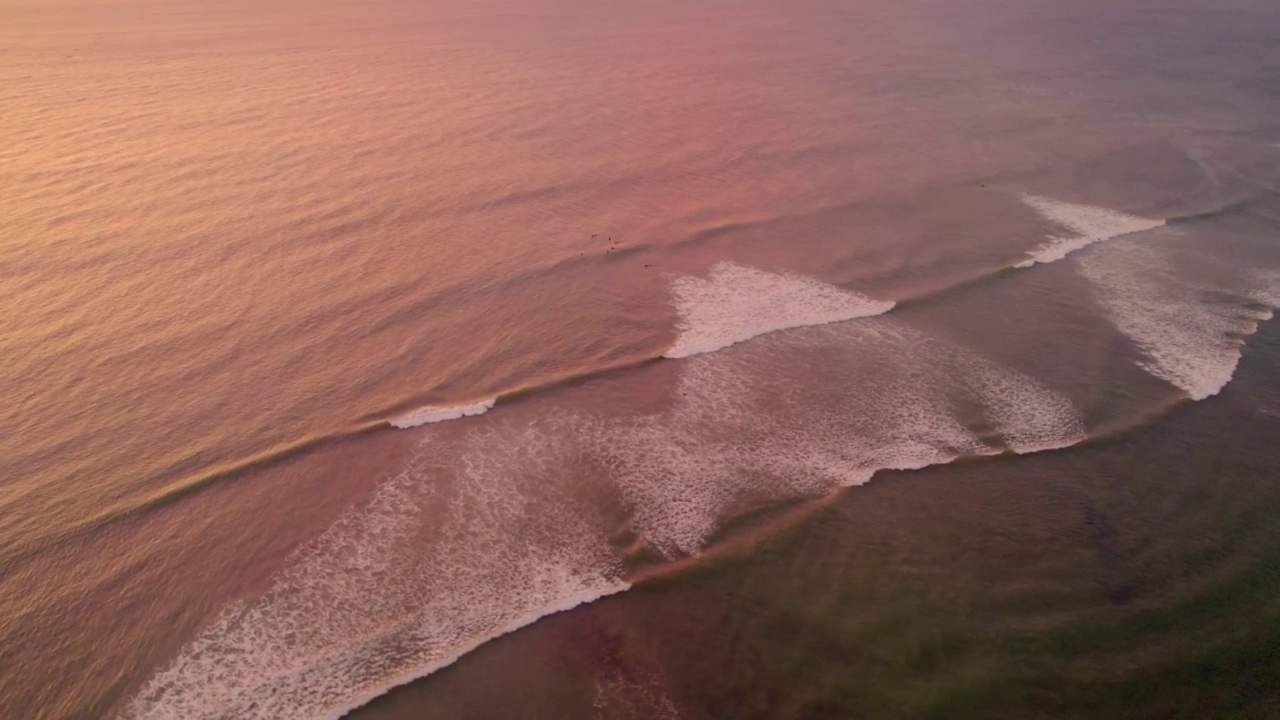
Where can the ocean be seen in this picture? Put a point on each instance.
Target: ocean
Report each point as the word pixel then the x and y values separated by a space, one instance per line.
pixel 569 359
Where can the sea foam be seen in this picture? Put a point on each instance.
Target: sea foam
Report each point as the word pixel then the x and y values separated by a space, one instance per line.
pixel 1188 335
pixel 440 413
pixel 481 535
pixel 794 415
pixel 736 303
pixel 487 533
pixel 1088 224
pixel 442 559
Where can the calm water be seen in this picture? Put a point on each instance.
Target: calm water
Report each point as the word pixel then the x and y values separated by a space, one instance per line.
pixel 341 339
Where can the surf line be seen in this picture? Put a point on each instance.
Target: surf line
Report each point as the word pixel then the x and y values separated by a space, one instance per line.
pixel 759 303
pixel 554 602
pixel 1091 224
pixel 767 302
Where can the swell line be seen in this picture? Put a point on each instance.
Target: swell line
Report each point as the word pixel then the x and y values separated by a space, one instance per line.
pixel 394 414
pixel 886 400
pixel 389 418
pixel 180 489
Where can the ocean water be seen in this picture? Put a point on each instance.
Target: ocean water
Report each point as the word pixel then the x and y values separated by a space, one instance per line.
pixel 657 360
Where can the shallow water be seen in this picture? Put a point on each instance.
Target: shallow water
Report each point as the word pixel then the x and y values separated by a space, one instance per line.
pixel 345 339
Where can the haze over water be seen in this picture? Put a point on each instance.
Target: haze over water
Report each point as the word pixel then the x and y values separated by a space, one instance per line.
pixel 344 339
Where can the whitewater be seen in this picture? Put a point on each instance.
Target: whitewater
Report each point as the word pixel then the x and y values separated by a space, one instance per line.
pixel 851 392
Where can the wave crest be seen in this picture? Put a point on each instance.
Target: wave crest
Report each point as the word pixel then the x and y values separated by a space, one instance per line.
pixel 1090 224
pixel 736 303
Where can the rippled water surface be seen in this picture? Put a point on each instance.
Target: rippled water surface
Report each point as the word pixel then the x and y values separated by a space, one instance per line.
pixel 820 359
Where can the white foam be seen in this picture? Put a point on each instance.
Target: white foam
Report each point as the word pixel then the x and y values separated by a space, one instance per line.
pixel 440 413
pixel 1089 224
pixel 483 535
pixel 736 303
pixel 1187 337
pixel 1031 417
pixel 798 414
pixel 440 561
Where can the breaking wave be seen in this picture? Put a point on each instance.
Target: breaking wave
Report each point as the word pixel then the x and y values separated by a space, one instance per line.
pixel 1187 337
pixel 439 561
pixel 514 520
pixel 1089 224
pixel 480 536
pixel 736 303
